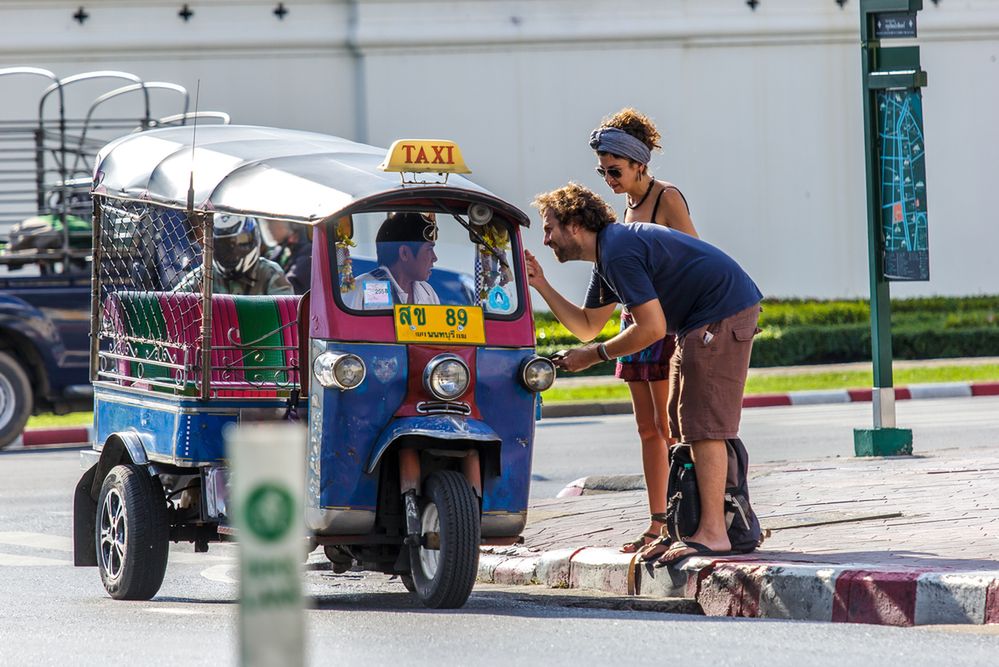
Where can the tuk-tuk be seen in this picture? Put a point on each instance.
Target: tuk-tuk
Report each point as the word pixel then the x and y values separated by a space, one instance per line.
pixel 419 401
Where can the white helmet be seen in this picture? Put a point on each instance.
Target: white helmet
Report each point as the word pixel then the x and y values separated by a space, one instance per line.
pixel 236 245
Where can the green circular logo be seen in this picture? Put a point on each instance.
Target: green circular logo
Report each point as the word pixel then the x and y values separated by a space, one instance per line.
pixel 269 512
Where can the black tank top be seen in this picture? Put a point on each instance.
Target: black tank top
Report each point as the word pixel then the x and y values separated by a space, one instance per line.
pixel 655 209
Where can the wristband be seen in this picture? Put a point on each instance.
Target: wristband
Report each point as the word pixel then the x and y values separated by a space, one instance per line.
pixel 602 352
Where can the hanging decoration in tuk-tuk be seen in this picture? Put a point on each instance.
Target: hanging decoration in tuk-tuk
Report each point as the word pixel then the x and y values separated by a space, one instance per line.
pixel 493 273
pixel 344 242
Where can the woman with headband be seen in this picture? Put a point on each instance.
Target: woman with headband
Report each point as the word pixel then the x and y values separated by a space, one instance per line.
pixel 624 143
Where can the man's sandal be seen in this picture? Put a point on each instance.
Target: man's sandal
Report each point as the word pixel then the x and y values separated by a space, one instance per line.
pixel 657 547
pixel 646 539
pixel 698 550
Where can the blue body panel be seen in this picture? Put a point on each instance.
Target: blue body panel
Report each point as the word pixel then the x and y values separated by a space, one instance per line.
pixel 183 431
pixel 356 426
pixel 508 407
pixel 352 422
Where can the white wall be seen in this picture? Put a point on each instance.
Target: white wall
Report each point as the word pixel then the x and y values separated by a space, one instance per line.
pixel 760 110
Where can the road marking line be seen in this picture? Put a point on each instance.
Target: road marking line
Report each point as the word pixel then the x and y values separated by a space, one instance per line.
pixel 176 612
pixel 10 560
pixel 37 541
pixel 219 573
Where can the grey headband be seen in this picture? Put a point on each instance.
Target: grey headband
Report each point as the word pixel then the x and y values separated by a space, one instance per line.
pixel 618 142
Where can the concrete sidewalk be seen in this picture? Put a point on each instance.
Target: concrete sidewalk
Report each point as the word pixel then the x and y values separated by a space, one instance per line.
pixel 894 541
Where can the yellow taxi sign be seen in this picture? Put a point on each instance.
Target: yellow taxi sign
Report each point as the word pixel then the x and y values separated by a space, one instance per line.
pixel 439 325
pixel 425 155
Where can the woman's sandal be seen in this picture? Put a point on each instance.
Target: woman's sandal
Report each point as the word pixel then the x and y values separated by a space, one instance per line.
pixel 646 539
pixel 657 547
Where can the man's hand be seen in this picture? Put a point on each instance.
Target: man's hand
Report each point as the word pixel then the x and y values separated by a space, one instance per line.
pixel 577 359
pixel 535 274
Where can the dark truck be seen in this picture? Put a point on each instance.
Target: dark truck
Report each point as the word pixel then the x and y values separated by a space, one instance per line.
pixel 45 237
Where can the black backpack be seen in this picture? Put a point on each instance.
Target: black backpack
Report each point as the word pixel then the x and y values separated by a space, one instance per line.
pixel 683 505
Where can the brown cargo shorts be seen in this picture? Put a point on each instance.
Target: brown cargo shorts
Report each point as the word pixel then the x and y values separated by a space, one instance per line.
pixel 708 376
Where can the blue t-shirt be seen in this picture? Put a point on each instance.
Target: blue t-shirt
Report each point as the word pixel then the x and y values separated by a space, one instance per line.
pixel 695 282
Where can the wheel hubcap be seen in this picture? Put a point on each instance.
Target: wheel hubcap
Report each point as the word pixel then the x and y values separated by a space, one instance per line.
pixel 7 402
pixel 114 531
pixel 430 558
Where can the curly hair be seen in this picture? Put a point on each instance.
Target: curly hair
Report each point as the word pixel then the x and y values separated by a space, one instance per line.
pixel 575 203
pixel 637 124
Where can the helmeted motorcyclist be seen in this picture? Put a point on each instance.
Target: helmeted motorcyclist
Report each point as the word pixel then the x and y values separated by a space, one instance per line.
pixel 238 267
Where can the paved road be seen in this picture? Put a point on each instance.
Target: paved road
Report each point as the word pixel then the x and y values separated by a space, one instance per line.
pixel 55 614
pixel 567 449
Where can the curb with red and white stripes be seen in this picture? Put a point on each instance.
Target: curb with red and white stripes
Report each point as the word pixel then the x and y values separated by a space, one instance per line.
pixel 820 397
pixel 916 391
pixel 39 438
pixel 854 593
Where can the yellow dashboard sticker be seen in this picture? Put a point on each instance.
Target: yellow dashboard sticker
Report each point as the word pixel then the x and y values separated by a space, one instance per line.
pixel 441 325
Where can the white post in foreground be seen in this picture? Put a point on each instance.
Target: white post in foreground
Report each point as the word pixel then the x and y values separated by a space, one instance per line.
pixel 267 486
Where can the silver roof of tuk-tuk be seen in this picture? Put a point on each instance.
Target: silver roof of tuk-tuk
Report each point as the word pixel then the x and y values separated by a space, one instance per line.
pixel 269 172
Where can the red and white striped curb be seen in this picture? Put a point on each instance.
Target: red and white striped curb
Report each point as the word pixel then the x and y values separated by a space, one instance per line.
pixel 854 593
pixel 53 437
pixel 916 391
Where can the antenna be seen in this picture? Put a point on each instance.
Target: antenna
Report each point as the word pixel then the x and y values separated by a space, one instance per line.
pixel 194 142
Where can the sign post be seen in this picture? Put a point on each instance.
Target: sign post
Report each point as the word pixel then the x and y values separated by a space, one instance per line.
pixel 268 485
pixel 898 247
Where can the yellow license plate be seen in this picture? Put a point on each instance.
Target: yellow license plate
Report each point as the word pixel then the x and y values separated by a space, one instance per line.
pixel 440 325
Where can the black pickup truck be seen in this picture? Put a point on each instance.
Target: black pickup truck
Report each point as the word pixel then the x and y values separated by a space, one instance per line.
pixel 49 136
pixel 44 346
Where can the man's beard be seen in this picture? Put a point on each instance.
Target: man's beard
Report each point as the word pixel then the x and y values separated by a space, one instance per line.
pixel 567 252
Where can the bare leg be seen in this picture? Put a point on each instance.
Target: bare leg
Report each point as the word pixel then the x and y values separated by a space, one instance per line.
pixel 655 451
pixel 711 464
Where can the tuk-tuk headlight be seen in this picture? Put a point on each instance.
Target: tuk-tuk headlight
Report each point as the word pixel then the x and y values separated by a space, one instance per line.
pixel 339 371
pixel 537 373
pixel 446 377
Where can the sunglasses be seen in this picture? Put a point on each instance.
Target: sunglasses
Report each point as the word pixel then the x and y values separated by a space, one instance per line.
pixel 613 172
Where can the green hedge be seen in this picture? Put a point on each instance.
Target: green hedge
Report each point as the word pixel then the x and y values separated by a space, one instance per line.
pixel 797 332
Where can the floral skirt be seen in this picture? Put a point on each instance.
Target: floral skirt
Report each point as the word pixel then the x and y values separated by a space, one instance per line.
pixel 648 365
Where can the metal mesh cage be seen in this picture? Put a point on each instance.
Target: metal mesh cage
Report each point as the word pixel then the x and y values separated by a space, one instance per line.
pixel 158 328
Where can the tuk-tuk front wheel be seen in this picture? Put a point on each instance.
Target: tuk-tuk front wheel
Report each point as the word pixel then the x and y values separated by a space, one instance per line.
pixel 133 533
pixel 445 564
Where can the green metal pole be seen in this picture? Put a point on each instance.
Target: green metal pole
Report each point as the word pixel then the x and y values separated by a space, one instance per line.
pixel 884 439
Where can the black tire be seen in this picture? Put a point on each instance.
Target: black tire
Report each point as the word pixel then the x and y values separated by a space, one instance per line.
pixel 407 581
pixel 132 532
pixel 16 399
pixel 444 577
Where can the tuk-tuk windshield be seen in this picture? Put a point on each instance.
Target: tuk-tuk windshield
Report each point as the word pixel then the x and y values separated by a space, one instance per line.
pixel 414 257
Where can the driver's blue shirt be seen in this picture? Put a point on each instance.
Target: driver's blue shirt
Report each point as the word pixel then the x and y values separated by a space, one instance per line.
pixel 695 282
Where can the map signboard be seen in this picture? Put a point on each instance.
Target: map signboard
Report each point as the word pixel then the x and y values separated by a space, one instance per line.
pixel 903 185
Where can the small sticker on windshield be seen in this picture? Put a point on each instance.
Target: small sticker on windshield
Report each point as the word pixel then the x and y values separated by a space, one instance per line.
pixel 377 294
pixel 499 301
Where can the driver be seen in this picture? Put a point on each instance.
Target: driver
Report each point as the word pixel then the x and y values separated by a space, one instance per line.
pixel 405 248
pixel 238 266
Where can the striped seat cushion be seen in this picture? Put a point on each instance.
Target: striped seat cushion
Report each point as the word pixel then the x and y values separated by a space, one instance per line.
pixel 254 339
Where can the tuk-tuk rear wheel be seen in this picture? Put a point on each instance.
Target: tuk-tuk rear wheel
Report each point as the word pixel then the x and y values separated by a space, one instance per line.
pixel 444 577
pixel 132 532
